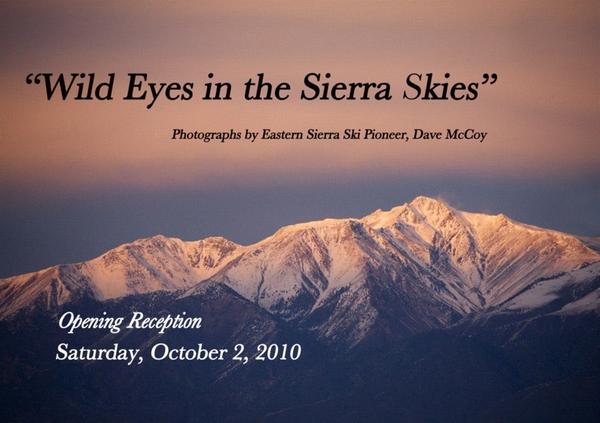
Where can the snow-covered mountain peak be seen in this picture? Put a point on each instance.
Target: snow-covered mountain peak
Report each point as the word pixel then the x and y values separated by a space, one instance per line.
pixel 418 265
pixel 428 205
pixel 418 210
pixel 432 210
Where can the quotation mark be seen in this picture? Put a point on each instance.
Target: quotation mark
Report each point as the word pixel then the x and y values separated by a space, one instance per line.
pixel 33 79
pixel 489 78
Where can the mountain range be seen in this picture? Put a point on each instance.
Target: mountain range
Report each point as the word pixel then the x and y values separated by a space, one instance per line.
pixel 420 265
pixel 352 290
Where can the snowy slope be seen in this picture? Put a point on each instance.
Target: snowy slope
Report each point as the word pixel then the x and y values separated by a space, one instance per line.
pixel 145 265
pixel 417 266
pixel 420 265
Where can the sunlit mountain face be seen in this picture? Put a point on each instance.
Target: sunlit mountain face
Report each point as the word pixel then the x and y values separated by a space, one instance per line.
pixel 419 313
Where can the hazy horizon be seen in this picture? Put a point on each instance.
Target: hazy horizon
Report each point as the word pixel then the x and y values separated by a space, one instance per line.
pixel 65 232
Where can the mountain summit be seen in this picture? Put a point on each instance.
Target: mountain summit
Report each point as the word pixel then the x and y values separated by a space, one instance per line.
pixel 420 265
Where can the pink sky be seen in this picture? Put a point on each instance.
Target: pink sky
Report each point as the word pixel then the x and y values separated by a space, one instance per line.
pixel 542 115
